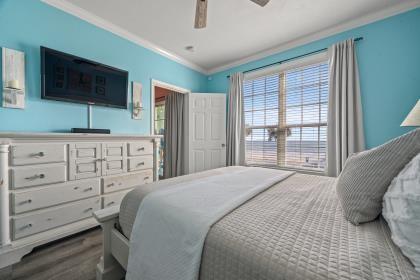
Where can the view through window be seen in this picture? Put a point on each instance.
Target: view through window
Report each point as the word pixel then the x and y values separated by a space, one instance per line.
pixel 286 118
pixel 160 118
pixel 160 130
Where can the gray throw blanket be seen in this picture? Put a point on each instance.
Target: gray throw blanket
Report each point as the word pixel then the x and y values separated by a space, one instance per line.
pixel 172 223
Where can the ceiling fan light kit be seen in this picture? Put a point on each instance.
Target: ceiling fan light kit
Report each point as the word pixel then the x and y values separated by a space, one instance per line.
pixel 201 12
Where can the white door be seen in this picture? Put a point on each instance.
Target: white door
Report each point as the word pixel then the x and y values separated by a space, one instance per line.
pixel 207 131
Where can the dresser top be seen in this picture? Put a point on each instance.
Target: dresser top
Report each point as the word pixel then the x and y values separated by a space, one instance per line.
pixel 7 137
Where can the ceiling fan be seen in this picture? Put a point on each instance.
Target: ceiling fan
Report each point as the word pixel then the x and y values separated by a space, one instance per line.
pixel 201 12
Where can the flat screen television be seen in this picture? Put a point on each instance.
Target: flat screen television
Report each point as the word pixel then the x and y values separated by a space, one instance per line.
pixel 66 77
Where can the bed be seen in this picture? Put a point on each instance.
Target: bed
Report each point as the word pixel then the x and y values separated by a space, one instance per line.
pixel 293 230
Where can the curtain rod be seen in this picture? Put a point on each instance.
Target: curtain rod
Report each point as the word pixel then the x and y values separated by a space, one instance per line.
pixel 292 58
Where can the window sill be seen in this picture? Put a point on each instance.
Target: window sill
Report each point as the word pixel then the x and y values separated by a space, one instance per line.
pixel 303 171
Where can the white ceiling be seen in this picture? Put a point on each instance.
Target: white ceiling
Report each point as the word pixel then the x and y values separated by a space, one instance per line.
pixel 237 30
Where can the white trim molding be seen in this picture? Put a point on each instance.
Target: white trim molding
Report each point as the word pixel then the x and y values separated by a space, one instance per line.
pixel 121 32
pixel 358 22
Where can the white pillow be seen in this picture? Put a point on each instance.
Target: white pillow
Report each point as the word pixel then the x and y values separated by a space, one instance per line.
pixel 401 209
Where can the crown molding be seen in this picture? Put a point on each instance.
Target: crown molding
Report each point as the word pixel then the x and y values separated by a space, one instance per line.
pixel 372 17
pixel 106 25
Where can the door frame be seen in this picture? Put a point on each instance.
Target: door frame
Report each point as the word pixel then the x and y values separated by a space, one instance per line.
pixel 153 84
pixel 174 88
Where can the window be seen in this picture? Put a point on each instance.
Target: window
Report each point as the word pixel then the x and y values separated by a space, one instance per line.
pixel 160 130
pixel 160 118
pixel 286 118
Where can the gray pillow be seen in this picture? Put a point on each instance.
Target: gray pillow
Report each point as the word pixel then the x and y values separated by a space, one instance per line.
pixel 367 175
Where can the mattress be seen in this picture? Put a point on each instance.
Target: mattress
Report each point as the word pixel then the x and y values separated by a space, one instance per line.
pixel 294 230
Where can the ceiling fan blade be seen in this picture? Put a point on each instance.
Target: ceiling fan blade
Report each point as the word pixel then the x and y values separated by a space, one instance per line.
pixel 201 14
pixel 262 3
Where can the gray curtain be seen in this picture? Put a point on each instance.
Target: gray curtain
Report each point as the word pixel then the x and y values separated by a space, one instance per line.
pixel 235 135
pixel 345 120
pixel 174 135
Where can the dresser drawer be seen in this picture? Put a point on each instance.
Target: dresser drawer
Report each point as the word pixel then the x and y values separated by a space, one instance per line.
pixel 38 175
pixel 37 153
pixel 139 148
pixel 113 150
pixel 47 219
pixel 85 160
pixel 85 168
pixel 113 199
pixel 140 163
pixel 85 150
pixel 114 158
pixel 54 195
pixel 113 184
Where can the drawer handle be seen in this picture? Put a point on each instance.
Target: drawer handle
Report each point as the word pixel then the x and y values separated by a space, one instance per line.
pixel 1 182
pixel 27 226
pixel 112 202
pixel 40 176
pixel 110 185
pixel 89 209
pixel 28 201
pixel 146 178
pixel 140 149
pixel 38 155
pixel 140 163
pixel 89 189
pixel 75 188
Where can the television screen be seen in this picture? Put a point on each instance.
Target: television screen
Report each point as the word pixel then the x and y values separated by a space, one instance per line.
pixel 70 78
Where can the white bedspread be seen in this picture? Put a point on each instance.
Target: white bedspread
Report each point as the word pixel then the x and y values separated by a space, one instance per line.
pixel 172 223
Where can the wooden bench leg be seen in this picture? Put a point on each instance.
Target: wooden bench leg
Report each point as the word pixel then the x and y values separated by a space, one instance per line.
pixel 108 268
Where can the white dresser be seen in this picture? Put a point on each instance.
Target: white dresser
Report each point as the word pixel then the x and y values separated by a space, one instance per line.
pixel 50 184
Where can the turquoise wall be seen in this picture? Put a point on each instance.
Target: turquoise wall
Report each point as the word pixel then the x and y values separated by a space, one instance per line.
pixel 389 64
pixel 25 25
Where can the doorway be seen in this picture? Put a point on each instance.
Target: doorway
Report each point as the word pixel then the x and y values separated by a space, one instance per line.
pixel 160 91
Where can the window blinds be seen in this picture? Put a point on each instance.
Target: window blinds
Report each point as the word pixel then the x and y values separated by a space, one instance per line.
pixel 286 118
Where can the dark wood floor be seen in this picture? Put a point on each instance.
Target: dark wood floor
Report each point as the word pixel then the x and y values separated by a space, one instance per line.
pixel 73 258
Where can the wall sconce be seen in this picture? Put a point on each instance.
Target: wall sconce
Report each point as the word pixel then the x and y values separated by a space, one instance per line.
pixel 137 101
pixel 137 108
pixel 13 66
